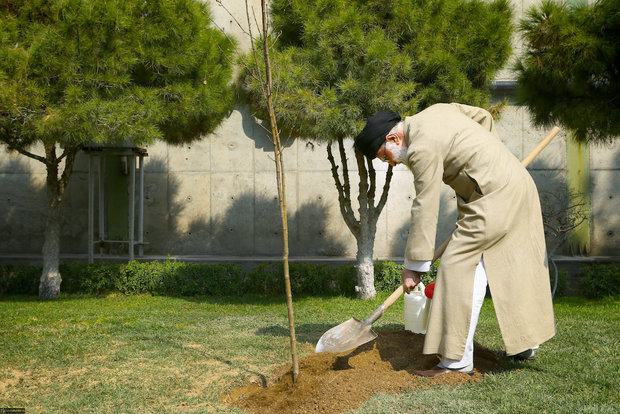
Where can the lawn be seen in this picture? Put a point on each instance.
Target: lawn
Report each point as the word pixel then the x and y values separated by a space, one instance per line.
pixel 164 354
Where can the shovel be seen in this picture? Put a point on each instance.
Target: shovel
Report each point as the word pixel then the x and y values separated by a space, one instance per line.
pixel 353 333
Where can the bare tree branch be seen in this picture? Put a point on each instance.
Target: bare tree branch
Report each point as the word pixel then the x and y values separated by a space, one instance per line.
pixel 345 169
pixel 262 82
pixel 562 212
pixel 386 189
pixel 30 155
pixel 372 175
pixel 344 201
pixel 230 40
pixel 232 16
pixel 363 184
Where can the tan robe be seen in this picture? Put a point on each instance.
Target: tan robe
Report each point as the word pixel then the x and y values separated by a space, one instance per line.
pixel 499 218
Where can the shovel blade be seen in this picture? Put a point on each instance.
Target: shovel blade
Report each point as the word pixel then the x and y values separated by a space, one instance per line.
pixel 346 336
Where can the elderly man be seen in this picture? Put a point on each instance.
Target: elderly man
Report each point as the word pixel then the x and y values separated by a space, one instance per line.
pixel 498 238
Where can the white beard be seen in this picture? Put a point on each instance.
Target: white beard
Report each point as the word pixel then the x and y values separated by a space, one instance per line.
pixel 398 152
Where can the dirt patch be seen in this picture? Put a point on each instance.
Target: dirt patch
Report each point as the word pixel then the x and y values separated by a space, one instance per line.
pixel 335 383
pixel 11 378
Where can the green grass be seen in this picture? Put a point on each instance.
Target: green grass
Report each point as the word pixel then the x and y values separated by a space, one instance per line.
pixel 161 354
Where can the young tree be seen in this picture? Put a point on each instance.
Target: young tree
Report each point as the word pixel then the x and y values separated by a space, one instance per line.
pixel 85 71
pixel 339 61
pixel 261 70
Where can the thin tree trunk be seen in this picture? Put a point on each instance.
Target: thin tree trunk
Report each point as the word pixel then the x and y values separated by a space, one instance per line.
pixel 279 159
pixel 365 262
pixel 49 284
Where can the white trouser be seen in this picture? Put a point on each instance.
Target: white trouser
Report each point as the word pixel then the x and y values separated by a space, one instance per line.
pixel 480 289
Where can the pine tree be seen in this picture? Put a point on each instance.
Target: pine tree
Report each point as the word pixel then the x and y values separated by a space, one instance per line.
pixel 84 71
pixel 570 72
pixel 339 61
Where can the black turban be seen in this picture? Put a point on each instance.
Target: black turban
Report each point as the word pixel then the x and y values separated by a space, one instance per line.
pixel 373 135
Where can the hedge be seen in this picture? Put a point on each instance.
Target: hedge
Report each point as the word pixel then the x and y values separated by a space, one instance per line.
pixel 599 280
pixel 178 278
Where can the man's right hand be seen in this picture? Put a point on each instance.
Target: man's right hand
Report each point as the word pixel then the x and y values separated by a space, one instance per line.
pixel 410 278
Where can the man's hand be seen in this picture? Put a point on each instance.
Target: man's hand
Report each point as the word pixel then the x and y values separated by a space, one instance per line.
pixel 411 278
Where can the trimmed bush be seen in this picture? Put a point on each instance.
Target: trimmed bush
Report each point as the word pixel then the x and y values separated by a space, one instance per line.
pixel 188 279
pixel 599 280
pixel 306 278
pixel 180 278
pixel 95 278
pixel 388 275
pixel 174 278
pixel 21 280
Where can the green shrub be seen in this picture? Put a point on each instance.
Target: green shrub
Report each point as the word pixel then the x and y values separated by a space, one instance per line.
pixel 388 275
pixel 266 278
pixel 344 280
pixel 173 277
pixel 21 280
pixel 94 278
pixel 306 278
pixel 187 279
pixel 599 280
pixel 138 278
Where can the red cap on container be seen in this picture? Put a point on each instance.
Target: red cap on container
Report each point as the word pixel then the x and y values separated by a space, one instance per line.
pixel 429 290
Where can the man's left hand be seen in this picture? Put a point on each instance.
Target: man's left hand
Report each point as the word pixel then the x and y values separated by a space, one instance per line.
pixel 410 278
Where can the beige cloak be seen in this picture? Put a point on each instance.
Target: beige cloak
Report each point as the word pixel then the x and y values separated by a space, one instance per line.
pixel 499 218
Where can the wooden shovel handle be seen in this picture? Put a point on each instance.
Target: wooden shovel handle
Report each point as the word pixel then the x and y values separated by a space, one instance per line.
pixel 393 297
pixel 541 145
pixel 439 251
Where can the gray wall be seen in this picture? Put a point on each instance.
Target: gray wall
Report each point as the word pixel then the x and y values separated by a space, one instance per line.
pixel 217 197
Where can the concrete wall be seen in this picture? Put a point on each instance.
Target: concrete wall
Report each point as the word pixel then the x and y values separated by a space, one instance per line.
pixel 217 196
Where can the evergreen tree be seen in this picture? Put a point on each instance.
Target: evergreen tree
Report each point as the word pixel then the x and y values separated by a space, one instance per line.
pixel 86 71
pixel 339 61
pixel 570 73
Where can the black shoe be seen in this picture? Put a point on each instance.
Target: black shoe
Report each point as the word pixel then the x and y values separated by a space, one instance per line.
pixel 527 355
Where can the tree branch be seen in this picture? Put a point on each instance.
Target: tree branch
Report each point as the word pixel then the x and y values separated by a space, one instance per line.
pixel 363 185
pixel 372 175
pixel 235 19
pixel 30 155
pixel 221 30
pixel 262 82
pixel 386 189
pixel 343 200
pixel 345 169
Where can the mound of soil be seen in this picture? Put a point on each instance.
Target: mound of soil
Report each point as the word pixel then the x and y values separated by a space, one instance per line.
pixel 334 383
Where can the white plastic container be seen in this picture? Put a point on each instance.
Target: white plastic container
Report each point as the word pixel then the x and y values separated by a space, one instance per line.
pixel 416 312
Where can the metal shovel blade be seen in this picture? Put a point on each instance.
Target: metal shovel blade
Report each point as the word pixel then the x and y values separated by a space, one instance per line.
pixel 346 336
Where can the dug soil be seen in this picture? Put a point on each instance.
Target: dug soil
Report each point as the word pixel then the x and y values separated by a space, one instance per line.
pixel 333 383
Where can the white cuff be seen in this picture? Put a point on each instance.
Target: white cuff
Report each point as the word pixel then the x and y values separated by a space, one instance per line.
pixel 418 265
